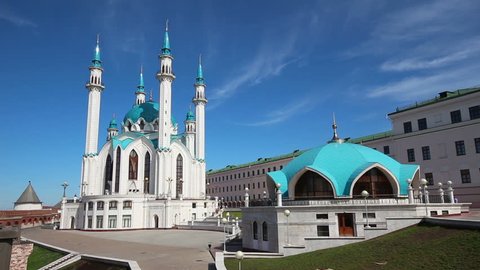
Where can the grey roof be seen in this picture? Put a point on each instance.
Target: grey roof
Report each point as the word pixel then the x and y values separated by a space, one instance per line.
pixel 28 196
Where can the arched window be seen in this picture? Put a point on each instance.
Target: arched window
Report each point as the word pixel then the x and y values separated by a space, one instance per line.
pixel 255 230
pixel 264 231
pixel 146 174
pixel 311 185
pixel 129 126
pixel 142 125
pixel 117 170
pixel 375 182
pixel 155 125
pixel 179 175
pixel 108 174
pixel 133 165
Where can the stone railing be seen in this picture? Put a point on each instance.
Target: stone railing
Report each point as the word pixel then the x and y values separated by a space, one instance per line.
pixel 388 201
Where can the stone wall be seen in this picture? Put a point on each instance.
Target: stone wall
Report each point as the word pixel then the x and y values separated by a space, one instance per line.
pixel 20 253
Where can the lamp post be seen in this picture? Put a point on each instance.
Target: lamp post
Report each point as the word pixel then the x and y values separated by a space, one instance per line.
pixel 239 256
pixel 228 216
pixel 287 214
pixel 224 221
pixel 365 196
pixel 64 185
pixel 424 182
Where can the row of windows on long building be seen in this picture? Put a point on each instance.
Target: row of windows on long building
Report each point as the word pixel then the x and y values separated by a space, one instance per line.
pixel 260 186
pixel 455 117
pixel 234 176
pixel 460 150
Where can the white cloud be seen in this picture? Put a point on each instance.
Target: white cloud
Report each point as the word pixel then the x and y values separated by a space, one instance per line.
pixel 270 61
pixel 285 113
pixel 418 87
pixel 9 16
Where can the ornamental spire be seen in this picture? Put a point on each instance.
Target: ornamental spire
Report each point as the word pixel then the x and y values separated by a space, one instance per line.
pixel 96 60
pixel 141 85
pixel 200 79
pixel 335 137
pixel 166 41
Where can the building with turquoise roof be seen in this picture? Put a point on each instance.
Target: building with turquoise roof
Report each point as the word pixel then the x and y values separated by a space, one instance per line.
pixel 148 173
pixel 336 194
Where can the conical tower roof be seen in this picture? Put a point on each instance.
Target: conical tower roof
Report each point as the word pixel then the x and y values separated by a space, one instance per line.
pixel 28 196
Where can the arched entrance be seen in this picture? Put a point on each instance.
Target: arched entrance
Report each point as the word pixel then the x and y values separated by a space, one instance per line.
pixel 155 220
pixel 72 223
pixel 376 183
pixel 312 186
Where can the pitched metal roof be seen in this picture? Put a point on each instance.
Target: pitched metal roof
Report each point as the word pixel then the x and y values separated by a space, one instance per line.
pixel 28 196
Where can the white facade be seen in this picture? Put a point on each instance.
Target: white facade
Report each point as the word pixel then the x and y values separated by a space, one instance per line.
pixel 435 145
pixel 148 176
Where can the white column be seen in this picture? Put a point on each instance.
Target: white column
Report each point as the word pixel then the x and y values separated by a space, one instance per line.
pixel 93 118
pixel 200 129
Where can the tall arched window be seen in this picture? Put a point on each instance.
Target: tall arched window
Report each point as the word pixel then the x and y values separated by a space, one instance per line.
pixel 117 170
pixel 179 175
pixel 375 182
pixel 146 174
pixel 255 230
pixel 133 165
pixel 142 125
pixel 264 231
pixel 108 174
pixel 313 186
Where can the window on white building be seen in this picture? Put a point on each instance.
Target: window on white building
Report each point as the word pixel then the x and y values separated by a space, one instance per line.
pixel 456 116
pixel 127 221
pixel 112 222
pixel 426 152
pixel 411 155
pixel 112 205
pixel 322 230
pixel 127 205
pixel 99 222
pixel 460 148
pixel 465 175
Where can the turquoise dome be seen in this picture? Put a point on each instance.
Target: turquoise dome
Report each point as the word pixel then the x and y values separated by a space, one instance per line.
pixel 342 163
pixel 113 123
pixel 190 116
pixel 147 111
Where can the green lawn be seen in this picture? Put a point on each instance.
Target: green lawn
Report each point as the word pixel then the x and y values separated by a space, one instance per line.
pixel 416 247
pixel 41 256
pixel 233 214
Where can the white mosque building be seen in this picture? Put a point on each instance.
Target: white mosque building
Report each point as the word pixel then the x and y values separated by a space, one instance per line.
pixel 148 175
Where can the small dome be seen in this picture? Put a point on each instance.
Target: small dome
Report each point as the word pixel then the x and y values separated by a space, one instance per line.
pixel 190 116
pixel 113 123
pixel 148 111
pixel 342 163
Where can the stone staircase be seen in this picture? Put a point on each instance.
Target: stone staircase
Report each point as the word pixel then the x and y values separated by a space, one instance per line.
pixel 63 261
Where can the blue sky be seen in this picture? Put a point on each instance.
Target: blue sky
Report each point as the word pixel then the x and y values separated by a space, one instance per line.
pixel 275 73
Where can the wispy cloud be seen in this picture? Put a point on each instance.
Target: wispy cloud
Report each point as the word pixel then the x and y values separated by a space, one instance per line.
pixel 415 87
pixel 7 15
pixel 429 56
pixel 286 112
pixel 269 61
pixel 273 56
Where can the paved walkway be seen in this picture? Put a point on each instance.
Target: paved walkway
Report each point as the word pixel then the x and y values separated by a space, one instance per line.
pixel 152 249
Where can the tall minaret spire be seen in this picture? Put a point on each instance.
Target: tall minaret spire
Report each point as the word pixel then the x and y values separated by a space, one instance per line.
pixel 200 101
pixel 165 76
pixel 95 88
pixel 140 93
